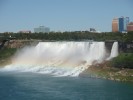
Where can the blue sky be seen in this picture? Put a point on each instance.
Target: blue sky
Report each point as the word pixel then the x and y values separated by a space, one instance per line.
pixel 62 15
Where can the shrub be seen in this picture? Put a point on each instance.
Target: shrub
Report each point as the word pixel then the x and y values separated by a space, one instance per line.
pixel 124 60
pixel 6 52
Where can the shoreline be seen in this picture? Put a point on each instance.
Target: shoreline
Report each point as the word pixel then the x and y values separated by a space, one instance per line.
pixel 109 73
pixel 6 56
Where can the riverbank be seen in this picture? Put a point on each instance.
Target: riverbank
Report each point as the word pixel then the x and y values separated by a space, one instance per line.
pixel 110 73
pixel 11 47
pixel 6 55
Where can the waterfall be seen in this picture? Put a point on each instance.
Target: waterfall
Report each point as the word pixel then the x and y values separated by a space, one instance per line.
pixel 114 51
pixel 60 58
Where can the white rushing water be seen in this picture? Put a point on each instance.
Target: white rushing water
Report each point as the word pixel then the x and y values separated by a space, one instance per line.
pixel 60 58
pixel 114 51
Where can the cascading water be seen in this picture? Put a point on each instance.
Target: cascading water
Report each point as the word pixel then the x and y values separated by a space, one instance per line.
pixel 114 51
pixel 60 58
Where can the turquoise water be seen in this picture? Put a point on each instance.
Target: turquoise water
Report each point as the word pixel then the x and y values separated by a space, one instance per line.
pixel 32 86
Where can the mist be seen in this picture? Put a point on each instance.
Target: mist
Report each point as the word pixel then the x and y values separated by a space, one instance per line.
pixel 61 58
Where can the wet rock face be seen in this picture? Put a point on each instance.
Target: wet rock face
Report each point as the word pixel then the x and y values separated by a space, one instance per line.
pixel 20 43
pixel 108 46
pixel 126 47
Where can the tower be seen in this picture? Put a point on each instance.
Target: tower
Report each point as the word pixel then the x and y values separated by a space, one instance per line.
pixel 123 22
pixel 126 22
pixel 120 24
pixel 115 25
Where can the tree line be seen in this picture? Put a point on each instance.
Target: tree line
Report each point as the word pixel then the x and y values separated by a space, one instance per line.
pixel 75 36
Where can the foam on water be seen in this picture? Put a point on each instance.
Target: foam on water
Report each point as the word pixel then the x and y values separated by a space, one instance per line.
pixel 59 58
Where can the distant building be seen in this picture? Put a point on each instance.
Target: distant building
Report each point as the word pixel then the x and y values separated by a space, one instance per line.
pixel 120 24
pixel 25 31
pixel 42 29
pixel 130 27
pixel 115 25
pixel 126 22
pixel 92 30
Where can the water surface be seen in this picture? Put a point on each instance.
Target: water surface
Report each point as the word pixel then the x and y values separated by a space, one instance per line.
pixel 33 86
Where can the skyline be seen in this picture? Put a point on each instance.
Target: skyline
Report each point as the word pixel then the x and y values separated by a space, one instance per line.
pixel 62 15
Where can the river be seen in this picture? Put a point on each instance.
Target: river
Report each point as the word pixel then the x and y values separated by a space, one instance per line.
pixel 36 86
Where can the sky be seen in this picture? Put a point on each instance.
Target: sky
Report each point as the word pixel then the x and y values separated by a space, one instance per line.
pixel 62 15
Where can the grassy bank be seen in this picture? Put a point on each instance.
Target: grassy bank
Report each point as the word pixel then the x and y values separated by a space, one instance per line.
pixel 124 60
pixel 106 71
pixel 5 55
pixel 119 68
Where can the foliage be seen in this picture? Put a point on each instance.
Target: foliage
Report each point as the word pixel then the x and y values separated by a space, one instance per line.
pixel 124 60
pixel 128 37
pixel 76 36
pixel 6 53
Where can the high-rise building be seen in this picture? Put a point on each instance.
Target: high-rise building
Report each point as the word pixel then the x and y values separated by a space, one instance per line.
pixel 123 22
pixel 120 24
pixel 126 22
pixel 42 29
pixel 115 25
pixel 130 27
